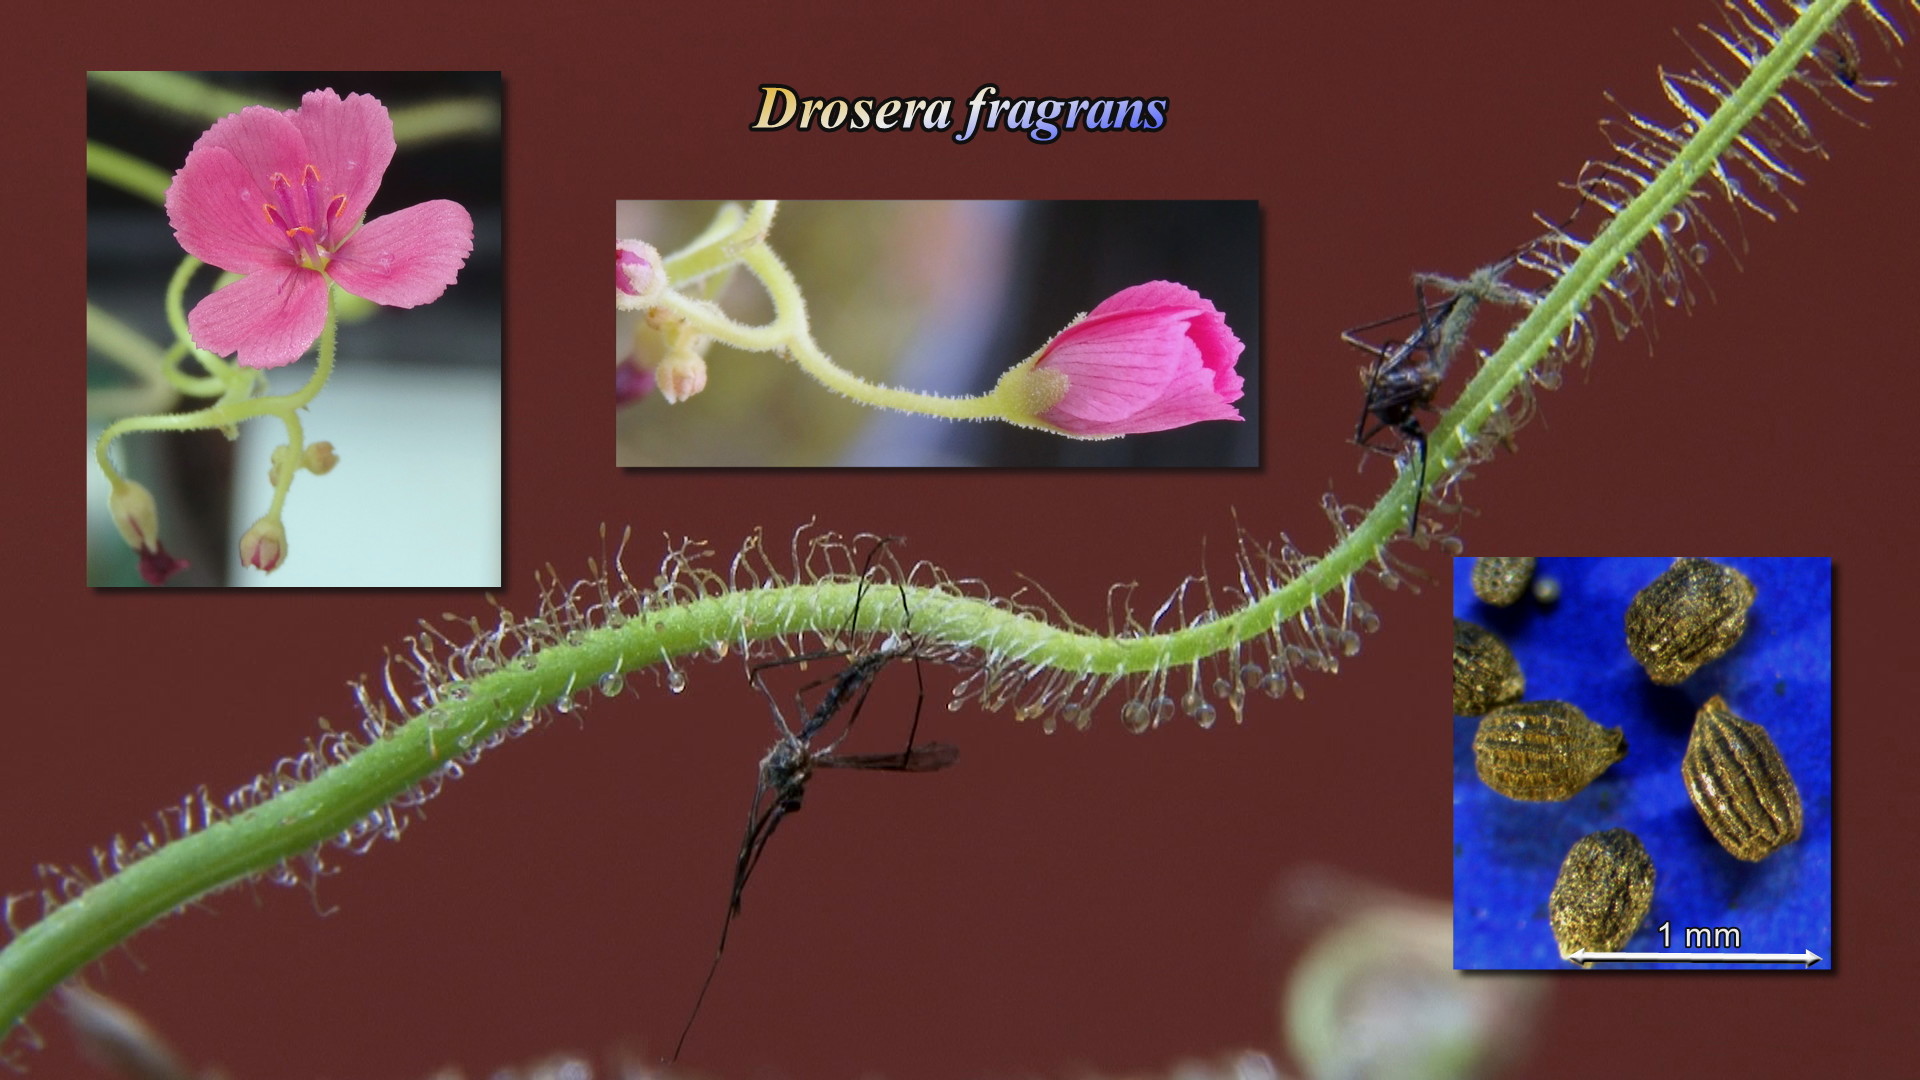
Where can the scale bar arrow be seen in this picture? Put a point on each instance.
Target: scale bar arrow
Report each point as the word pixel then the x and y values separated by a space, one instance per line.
pixel 1808 957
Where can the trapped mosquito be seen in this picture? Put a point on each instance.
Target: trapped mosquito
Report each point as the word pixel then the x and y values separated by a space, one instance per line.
pixel 791 760
pixel 1406 374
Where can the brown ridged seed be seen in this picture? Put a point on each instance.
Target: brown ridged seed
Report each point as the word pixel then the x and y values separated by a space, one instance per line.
pixel 1501 581
pixel 1603 893
pixel 1689 615
pixel 1485 673
pixel 1543 751
pixel 1739 784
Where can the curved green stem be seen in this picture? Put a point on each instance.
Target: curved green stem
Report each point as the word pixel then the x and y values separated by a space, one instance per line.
pixel 128 173
pixel 217 369
pixel 789 329
pixel 323 370
pixel 1570 295
pixel 196 101
pixel 130 349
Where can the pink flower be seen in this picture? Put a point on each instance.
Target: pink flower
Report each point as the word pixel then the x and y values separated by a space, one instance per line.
pixel 1149 358
pixel 280 197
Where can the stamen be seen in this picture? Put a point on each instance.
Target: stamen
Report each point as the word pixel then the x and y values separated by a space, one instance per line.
pixel 307 218
pixel 310 180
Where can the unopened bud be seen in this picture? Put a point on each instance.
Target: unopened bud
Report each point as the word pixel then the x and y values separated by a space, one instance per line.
pixel 135 515
pixel 631 382
pixel 320 458
pixel 638 275
pixel 680 376
pixel 264 547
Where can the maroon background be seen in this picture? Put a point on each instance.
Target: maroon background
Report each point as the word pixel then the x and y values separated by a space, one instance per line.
pixel 1096 899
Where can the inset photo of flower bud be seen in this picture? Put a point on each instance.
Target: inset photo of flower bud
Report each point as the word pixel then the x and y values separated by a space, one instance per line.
pixel 995 334
pixel 293 328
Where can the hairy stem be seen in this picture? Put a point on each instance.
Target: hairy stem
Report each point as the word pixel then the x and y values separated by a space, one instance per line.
pixel 1555 312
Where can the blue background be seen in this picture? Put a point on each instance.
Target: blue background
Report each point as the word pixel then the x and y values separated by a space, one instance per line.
pixel 1506 854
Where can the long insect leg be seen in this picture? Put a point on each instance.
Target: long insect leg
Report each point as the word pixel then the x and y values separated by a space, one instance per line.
pixel 1419 436
pixel 750 852
pixel 919 702
pixel 760 826
pixel 773 706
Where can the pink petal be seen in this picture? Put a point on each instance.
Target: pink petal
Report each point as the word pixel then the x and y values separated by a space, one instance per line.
pixel 1218 346
pixel 270 317
pixel 1149 358
pixel 265 141
pixel 1118 363
pixel 407 258
pixel 349 142
pixel 156 566
pixel 216 199
pixel 1153 294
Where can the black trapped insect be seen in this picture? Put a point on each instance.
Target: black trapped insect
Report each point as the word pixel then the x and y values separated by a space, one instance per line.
pixel 1405 375
pixel 790 762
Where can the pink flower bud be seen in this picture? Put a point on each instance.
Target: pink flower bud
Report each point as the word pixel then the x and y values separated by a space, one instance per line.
pixel 1149 358
pixel 638 278
pixel 680 376
pixel 138 520
pixel 264 547
pixel 631 382
pixel 135 515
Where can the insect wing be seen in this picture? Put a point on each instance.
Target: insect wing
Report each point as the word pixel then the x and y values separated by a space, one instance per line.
pixel 927 757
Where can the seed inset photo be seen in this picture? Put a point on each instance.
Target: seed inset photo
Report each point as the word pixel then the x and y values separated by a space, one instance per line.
pixel 1627 714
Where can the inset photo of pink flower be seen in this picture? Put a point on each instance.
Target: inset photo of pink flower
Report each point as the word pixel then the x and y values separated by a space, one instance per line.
pixel 1053 334
pixel 294 328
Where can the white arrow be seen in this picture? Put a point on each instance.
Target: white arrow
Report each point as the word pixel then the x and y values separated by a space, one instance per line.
pixel 1808 958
